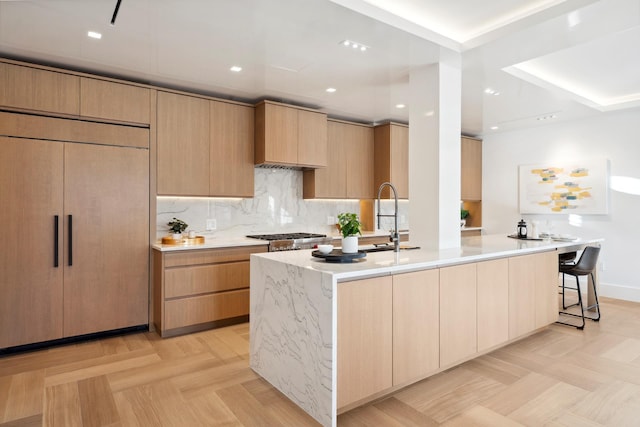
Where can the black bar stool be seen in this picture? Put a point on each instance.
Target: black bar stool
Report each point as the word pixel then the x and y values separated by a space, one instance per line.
pixel 567 258
pixel 585 266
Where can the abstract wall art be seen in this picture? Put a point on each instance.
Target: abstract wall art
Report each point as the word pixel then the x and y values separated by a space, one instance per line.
pixel 579 187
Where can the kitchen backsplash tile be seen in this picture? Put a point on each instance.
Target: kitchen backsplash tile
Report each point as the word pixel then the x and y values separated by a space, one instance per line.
pixel 276 207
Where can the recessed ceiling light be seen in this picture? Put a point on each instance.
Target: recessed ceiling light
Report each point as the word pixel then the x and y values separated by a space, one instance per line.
pixel 94 35
pixel 236 69
pixel 400 105
pixel 494 127
pixel 490 91
pixel 355 45
pixel 331 89
pixel 547 117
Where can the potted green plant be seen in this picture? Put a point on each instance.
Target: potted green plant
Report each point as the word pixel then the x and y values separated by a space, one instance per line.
pixel 177 226
pixel 463 217
pixel 349 226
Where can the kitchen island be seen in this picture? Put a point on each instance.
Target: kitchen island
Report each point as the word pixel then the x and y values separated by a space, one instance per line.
pixel 334 336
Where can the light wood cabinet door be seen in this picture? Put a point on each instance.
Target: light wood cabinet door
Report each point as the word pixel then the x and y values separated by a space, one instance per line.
pixel 312 139
pixel 392 159
pixel 231 150
pixel 471 169
pixel 458 324
pixel 364 338
pixel 31 180
pixel 114 101
pixel 183 145
pixel 416 325
pixel 493 303
pixel 522 295
pixel 276 134
pixel 359 153
pixel 199 279
pixel 106 193
pixel 40 90
pixel 329 182
pixel 546 291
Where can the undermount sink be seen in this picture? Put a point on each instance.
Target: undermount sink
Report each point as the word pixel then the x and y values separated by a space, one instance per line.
pixel 384 248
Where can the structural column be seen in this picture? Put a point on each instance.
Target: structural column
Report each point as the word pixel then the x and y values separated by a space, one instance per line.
pixel 434 154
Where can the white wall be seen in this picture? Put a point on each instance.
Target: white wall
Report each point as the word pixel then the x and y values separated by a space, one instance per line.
pixel 614 136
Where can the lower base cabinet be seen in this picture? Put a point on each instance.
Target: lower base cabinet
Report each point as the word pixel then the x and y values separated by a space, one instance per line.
pixel 201 288
pixel 364 339
pixel 395 330
pixel 416 327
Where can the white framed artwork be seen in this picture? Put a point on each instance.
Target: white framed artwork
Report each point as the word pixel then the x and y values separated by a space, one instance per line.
pixel 575 187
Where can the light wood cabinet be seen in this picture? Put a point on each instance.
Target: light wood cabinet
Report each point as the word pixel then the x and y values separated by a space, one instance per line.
pixel 205 147
pixel 200 289
pixel 183 145
pixel 286 135
pixel 114 101
pixel 359 153
pixel 458 308
pixel 231 150
pixel 106 283
pixel 471 168
pixel 416 325
pixel 312 139
pixel 31 186
pixel 364 341
pixel 329 182
pixel 92 274
pixel 532 292
pixel 349 171
pixel 546 288
pixel 493 303
pixel 391 164
pixel 27 88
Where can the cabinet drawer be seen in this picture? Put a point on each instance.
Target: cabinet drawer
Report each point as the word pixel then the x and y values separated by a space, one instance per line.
pixel 185 281
pixel 205 308
pixel 211 256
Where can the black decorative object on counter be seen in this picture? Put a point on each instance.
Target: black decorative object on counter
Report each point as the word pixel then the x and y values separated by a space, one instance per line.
pixel 337 255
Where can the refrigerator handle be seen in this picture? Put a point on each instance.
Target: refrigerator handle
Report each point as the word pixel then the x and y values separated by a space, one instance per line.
pixel 55 241
pixel 70 240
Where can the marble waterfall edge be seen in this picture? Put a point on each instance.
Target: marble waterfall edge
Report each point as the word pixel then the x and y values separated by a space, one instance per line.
pixel 291 337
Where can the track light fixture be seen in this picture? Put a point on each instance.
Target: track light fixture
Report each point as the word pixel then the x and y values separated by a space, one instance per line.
pixel 115 13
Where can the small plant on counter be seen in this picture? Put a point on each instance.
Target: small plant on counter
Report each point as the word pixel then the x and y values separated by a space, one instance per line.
pixel 464 213
pixel 177 226
pixel 348 224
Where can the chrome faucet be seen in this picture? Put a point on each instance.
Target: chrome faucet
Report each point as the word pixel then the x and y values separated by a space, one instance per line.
pixel 395 236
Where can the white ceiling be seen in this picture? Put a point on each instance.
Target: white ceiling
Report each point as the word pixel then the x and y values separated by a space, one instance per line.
pixel 562 58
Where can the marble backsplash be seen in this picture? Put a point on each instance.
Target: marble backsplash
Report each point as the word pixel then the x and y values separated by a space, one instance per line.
pixel 277 206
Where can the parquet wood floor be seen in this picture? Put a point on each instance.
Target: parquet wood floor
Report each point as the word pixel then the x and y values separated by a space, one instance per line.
pixel 558 377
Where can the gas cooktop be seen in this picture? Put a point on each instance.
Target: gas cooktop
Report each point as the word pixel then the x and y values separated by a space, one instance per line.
pixel 292 241
pixel 286 236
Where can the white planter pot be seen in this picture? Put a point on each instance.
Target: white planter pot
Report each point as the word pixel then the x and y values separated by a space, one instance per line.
pixel 350 245
pixel 177 236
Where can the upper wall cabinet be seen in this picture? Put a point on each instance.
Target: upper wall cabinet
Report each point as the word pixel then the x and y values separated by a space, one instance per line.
pixel 290 136
pixel 205 147
pixel 231 150
pixel 183 145
pixel 39 90
pixel 471 169
pixel 114 101
pixel 349 171
pixel 392 159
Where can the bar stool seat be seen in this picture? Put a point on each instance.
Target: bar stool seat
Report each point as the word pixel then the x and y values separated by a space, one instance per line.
pixel 585 266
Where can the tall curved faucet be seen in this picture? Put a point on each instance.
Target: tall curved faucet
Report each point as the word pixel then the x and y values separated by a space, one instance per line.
pixel 395 235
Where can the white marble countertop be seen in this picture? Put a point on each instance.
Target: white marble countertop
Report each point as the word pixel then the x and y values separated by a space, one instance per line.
pixel 473 249
pixel 212 243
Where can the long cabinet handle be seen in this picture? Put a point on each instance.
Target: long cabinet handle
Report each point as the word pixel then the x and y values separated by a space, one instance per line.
pixel 55 241
pixel 70 239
